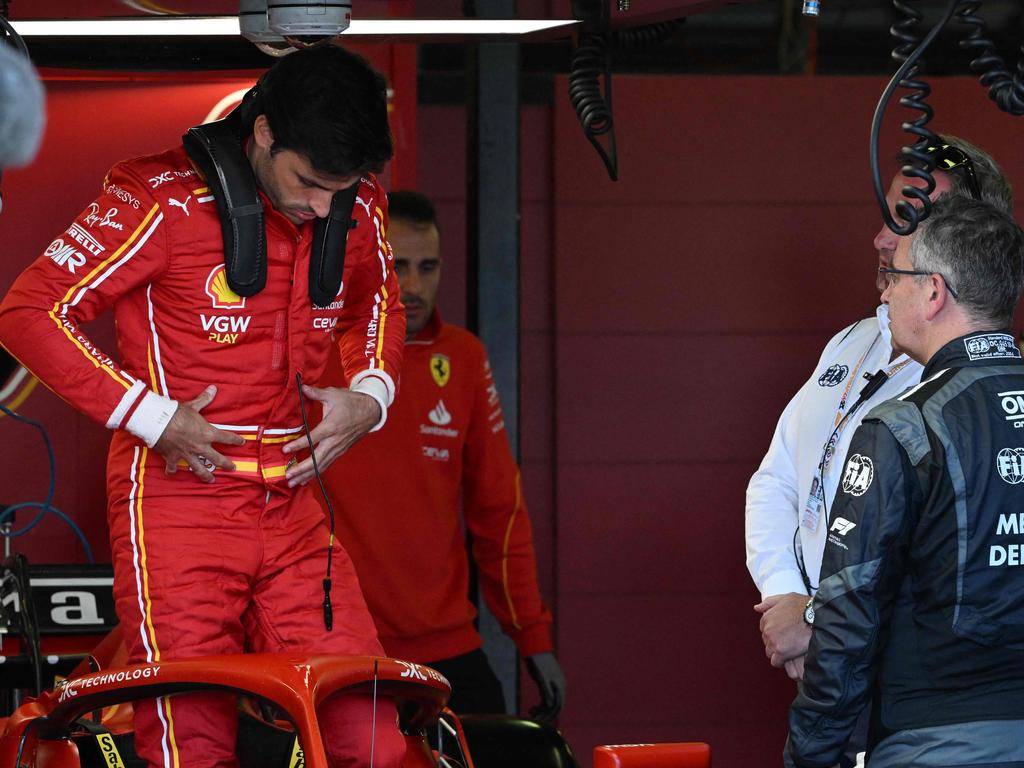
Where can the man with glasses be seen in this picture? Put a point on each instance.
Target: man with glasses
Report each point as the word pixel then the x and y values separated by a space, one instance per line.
pixel 921 602
pixel 788 497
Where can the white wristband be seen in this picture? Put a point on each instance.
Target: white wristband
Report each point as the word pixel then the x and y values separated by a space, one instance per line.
pixel 381 389
pixel 151 417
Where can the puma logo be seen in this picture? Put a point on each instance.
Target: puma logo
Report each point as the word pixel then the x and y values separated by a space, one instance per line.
pixel 365 205
pixel 182 205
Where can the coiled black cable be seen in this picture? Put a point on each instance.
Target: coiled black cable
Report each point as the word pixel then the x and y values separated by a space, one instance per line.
pixel 647 35
pixel 1004 88
pixel 590 61
pixel 920 164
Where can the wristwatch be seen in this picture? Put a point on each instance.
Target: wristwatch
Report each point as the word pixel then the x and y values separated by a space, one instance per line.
pixel 809 613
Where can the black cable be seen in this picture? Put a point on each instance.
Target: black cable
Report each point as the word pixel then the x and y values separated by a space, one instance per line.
pixel 18 566
pixel 920 164
pixel 1004 88
pixel 328 610
pixel 45 506
pixel 590 61
pixel 646 35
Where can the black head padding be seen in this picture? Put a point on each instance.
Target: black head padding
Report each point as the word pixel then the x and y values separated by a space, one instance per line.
pixel 502 741
pixel 217 150
pixel 327 261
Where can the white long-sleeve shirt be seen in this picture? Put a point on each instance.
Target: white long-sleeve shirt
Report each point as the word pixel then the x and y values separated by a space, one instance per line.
pixel 778 493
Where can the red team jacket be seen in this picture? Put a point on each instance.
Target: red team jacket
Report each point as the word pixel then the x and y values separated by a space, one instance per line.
pixel 151 247
pixel 397 495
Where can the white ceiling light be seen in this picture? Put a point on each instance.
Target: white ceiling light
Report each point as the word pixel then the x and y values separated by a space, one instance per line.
pixel 228 26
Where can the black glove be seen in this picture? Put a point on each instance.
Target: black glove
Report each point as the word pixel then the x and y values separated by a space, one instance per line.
pixel 547 673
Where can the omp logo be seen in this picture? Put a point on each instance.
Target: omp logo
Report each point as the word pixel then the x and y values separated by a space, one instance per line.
pixel 220 292
pixel 860 471
pixel 842 526
pixel 1012 403
pixel 65 255
pixel 1010 465
pixel 412 670
pixel 225 329
pixel 834 375
pixel 439 415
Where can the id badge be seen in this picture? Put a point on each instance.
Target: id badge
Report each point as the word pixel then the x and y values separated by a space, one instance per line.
pixel 812 509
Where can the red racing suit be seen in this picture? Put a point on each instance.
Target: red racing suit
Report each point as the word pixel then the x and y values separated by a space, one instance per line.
pixel 234 565
pixel 445 438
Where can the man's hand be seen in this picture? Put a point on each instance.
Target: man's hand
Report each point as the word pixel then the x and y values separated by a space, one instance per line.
pixel 785 633
pixel 189 437
pixel 795 668
pixel 348 416
pixel 547 674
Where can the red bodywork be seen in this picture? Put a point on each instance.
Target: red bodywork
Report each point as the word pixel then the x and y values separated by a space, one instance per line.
pixel 296 684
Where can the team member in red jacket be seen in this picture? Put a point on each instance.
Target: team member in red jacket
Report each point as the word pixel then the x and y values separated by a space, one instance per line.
pixel 398 497
pixel 231 555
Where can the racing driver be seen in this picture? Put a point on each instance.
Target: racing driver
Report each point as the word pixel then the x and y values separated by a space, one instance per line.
pixel 218 544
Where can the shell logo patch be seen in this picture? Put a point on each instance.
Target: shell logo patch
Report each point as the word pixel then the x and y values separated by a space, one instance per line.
pixel 220 292
pixel 440 368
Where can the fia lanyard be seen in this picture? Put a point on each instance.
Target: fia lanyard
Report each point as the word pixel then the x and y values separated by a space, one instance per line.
pixel 841 410
pixel 812 512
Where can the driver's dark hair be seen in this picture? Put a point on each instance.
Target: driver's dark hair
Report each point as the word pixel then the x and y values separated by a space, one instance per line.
pixel 330 106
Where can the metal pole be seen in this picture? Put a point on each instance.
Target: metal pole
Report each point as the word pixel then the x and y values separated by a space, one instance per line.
pixel 493 256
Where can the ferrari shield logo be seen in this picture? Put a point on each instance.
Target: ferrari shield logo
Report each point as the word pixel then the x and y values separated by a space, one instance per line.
pixel 440 368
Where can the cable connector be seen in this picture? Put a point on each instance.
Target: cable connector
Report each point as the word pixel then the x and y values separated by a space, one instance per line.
pixel 328 611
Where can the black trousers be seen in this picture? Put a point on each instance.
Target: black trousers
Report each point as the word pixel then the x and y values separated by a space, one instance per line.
pixel 476 690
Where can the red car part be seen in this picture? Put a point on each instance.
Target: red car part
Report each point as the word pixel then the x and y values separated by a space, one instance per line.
pixel 37 733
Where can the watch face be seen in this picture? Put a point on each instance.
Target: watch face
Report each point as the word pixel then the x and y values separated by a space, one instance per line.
pixel 809 613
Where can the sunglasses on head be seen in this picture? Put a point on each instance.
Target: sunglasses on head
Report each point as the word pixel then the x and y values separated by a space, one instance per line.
pixel 948 157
